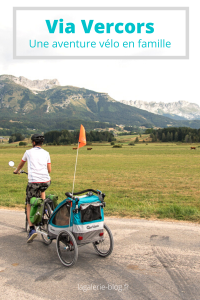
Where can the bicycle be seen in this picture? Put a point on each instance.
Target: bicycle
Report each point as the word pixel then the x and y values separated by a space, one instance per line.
pixel 47 211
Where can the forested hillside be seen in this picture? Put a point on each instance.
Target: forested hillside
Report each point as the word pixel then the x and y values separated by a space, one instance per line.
pixel 62 107
pixel 174 134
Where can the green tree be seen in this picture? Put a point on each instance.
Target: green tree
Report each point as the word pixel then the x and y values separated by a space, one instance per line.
pixel 157 136
pixel 187 138
pixel 163 137
pixel 12 139
pixel 168 137
pixel 136 140
pixel 176 136
pixel 22 143
pixel 153 136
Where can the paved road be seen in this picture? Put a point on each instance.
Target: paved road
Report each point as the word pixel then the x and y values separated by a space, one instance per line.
pixel 151 260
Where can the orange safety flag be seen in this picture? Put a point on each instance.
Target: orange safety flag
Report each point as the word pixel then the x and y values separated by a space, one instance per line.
pixel 82 137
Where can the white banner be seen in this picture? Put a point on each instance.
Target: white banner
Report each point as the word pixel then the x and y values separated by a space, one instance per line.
pixel 101 33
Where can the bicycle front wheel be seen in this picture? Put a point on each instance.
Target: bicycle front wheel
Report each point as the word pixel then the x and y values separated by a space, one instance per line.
pixel 26 220
pixel 67 248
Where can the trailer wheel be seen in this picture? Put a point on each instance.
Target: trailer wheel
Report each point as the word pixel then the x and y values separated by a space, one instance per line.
pixel 67 248
pixel 104 247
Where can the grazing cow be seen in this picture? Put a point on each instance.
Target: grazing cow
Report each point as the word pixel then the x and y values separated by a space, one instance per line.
pixel 192 148
pixel 89 148
pixel 74 148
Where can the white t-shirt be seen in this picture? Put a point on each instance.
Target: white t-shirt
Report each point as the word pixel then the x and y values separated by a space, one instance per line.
pixel 37 159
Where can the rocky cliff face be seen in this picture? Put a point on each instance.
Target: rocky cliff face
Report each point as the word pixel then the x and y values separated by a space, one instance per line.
pixel 176 110
pixel 34 85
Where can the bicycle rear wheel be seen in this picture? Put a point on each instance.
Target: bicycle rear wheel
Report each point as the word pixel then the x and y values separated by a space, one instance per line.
pixel 67 248
pixel 44 227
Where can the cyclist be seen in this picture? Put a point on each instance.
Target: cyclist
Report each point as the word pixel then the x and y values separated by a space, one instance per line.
pixel 39 167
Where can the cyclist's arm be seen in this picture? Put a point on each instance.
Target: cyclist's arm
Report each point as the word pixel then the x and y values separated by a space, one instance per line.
pixel 21 164
pixel 49 167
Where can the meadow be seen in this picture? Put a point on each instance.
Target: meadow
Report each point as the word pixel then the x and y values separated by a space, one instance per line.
pixel 154 180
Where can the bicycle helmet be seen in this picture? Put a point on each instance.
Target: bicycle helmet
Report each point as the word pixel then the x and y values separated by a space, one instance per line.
pixel 38 138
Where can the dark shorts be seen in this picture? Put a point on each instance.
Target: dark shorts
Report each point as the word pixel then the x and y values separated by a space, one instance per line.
pixel 35 189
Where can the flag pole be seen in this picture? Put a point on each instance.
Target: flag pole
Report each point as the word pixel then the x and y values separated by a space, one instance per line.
pixel 81 143
pixel 75 169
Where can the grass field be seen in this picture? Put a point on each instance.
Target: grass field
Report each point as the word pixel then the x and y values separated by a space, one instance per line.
pixel 155 180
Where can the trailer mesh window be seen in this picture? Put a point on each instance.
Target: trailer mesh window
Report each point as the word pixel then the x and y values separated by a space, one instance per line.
pixel 91 212
pixel 62 216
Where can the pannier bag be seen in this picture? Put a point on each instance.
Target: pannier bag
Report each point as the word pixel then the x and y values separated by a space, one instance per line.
pixel 37 206
pixel 90 212
pixel 54 198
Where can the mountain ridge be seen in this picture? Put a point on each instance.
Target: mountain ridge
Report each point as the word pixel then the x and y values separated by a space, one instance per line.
pixel 34 85
pixel 176 110
pixel 54 105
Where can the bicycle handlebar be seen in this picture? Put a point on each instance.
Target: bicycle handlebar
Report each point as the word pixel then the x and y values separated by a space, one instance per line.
pixel 22 171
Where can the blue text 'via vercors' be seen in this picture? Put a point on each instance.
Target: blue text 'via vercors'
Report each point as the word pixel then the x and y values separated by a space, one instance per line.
pixel 90 26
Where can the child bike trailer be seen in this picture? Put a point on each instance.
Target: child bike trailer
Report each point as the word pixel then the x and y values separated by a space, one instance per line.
pixel 78 221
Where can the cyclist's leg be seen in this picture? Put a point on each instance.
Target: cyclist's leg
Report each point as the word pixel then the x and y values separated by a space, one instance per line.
pixel 28 215
pixel 28 207
pixel 43 195
pixel 44 187
pixel 32 190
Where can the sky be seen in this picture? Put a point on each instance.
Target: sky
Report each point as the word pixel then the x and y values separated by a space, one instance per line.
pixel 147 80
